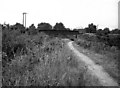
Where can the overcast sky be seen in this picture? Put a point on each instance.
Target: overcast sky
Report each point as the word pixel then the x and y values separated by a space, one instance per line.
pixel 72 13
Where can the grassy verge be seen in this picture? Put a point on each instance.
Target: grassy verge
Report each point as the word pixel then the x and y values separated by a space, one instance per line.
pixel 101 54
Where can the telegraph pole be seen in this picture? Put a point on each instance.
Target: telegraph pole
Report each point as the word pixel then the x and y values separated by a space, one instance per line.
pixel 24 19
pixel 119 15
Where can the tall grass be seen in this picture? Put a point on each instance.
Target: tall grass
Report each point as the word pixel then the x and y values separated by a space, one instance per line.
pixel 40 61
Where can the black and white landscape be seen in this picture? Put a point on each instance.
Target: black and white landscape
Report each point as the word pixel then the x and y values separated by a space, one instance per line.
pixel 60 43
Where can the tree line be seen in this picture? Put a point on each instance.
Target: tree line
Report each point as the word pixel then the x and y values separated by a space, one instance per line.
pixel 59 26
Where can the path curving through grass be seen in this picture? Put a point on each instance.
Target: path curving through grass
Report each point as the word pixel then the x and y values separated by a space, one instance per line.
pixel 96 70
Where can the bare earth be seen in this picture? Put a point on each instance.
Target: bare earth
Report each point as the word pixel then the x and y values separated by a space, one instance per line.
pixel 96 70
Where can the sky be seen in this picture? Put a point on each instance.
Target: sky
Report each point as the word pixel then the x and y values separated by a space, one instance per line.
pixel 72 13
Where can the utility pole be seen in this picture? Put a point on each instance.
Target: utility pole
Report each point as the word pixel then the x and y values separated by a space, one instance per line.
pixel 119 15
pixel 24 19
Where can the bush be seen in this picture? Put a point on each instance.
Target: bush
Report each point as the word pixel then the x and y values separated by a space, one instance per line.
pixel 100 45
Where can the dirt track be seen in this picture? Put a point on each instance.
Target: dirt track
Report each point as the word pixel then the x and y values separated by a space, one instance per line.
pixel 96 70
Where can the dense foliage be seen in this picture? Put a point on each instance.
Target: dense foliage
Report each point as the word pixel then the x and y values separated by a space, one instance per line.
pixel 32 57
pixel 38 59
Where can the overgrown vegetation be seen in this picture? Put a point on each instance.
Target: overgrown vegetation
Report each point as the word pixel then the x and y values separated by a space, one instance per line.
pixel 99 43
pixel 38 57
pixel 108 53
pixel 37 60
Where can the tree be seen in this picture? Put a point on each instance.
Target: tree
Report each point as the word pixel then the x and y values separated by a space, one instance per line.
pixel 115 31
pixel 106 31
pixel 32 29
pixel 44 26
pixel 59 26
pixel 99 32
pixel 18 27
pixel 91 28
